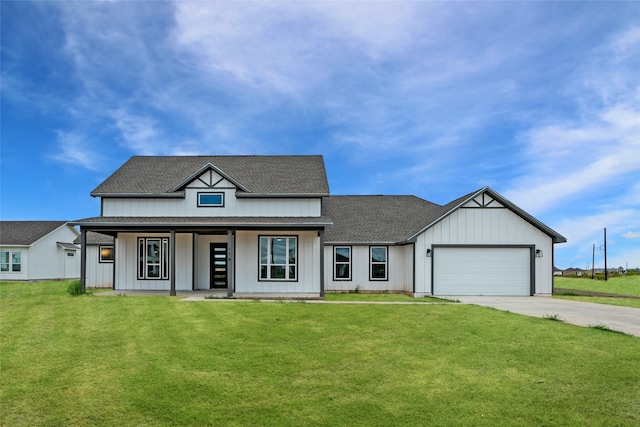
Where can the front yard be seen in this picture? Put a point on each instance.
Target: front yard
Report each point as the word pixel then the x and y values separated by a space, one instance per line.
pixel 120 360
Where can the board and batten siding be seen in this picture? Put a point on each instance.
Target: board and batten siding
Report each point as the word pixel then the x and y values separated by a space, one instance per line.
pixel 45 259
pixel 23 274
pixel 212 182
pixel 203 258
pixel 99 274
pixel 126 272
pixel 247 264
pixel 484 226
pixel 399 270
pixel 271 207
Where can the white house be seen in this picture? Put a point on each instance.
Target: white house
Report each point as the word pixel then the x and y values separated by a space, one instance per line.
pixel 38 250
pixel 99 265
pixel 267 225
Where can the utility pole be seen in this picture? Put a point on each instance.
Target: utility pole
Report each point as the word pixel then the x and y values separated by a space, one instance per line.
pixel 606 274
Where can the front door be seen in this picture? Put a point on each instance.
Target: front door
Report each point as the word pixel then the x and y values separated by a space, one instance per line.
pixel 218 265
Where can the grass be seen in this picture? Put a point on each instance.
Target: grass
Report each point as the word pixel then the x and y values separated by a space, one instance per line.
pixel 148 361
pixel 625 302
pixel 623 285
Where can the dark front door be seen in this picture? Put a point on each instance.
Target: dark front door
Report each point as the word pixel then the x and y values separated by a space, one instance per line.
pixel 218 265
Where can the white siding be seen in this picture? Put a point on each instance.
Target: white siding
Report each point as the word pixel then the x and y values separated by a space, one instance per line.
pixel 99 274
pixel 488 226
pixel 247 264
pixel 23 274
pixel 399 270
pixel 202 262
pixel 45 259
pixel 275 207
pixel 127 259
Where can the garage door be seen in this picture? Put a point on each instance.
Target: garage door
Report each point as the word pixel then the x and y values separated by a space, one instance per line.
pixel 481 271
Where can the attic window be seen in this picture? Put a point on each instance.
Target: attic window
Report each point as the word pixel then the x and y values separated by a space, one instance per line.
pixel 207 200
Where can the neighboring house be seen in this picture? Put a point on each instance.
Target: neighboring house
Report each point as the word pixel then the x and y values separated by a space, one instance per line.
pixel 557 271
pixel 570 272
pixel 267 225
pixel 99 263
pixel 38 250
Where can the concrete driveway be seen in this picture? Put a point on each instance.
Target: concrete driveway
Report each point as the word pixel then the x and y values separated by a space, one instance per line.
pixel 623 319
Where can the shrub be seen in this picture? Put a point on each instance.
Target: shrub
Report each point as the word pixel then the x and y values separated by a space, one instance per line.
pixel 75 288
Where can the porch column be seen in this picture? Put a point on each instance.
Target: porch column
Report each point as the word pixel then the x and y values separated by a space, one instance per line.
pixel 231 262
pixel 83 259
pixel 321 235
pixel 172 263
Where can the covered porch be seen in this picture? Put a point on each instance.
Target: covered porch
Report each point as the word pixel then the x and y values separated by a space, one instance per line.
pixel 222 255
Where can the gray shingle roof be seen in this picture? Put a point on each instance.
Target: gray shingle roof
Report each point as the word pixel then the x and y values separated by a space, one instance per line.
pixel 94 238
pixel 26 232
pixel 376 219
pixel 304 175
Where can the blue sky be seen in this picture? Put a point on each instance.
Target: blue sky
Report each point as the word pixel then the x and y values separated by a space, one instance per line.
pixel 538 100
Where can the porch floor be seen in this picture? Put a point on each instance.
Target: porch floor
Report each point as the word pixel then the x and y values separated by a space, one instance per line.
pixel 212 294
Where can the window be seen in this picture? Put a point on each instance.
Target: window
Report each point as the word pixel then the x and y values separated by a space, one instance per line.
pixel 106 254
pixel 378 264
pixel 153 258
pixel 342 263
pixel 11 261
pixel 71 253
pixel 278 258
pixel 210 200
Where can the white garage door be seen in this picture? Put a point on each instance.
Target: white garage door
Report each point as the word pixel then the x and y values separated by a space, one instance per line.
pixel 481 271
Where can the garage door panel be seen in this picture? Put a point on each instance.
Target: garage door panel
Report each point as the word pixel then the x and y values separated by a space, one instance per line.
pixel 481 271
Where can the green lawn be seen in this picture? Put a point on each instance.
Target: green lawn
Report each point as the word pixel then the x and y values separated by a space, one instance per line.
pixel 122 360
pixel 623 285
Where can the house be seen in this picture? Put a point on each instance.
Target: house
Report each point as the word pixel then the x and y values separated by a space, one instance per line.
pixel 38 250
pixel 268 225
pixel 99 255
pixel 573 272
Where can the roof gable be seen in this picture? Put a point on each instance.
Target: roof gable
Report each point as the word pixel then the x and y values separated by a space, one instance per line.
pixel 26 232
pixel 256 175
pixel 489 198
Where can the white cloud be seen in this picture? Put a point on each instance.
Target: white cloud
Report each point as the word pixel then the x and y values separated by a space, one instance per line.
pixel 75 150
pixel 631 235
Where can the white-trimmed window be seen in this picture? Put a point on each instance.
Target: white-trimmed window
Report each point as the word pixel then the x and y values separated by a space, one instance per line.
pixel 278 258
pixel 11 261
pixel 153 258
pixel 342 263
pixel 378 263
pixel 210 200
pixel 105 253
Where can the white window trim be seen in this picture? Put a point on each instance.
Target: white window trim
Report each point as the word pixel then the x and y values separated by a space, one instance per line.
pixel 385 263
pixel 207 205
pixel 336 263
pixel 287 265
pixel 100 258
pixel 10 264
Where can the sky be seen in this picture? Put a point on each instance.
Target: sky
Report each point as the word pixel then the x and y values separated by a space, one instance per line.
pixel 538 100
